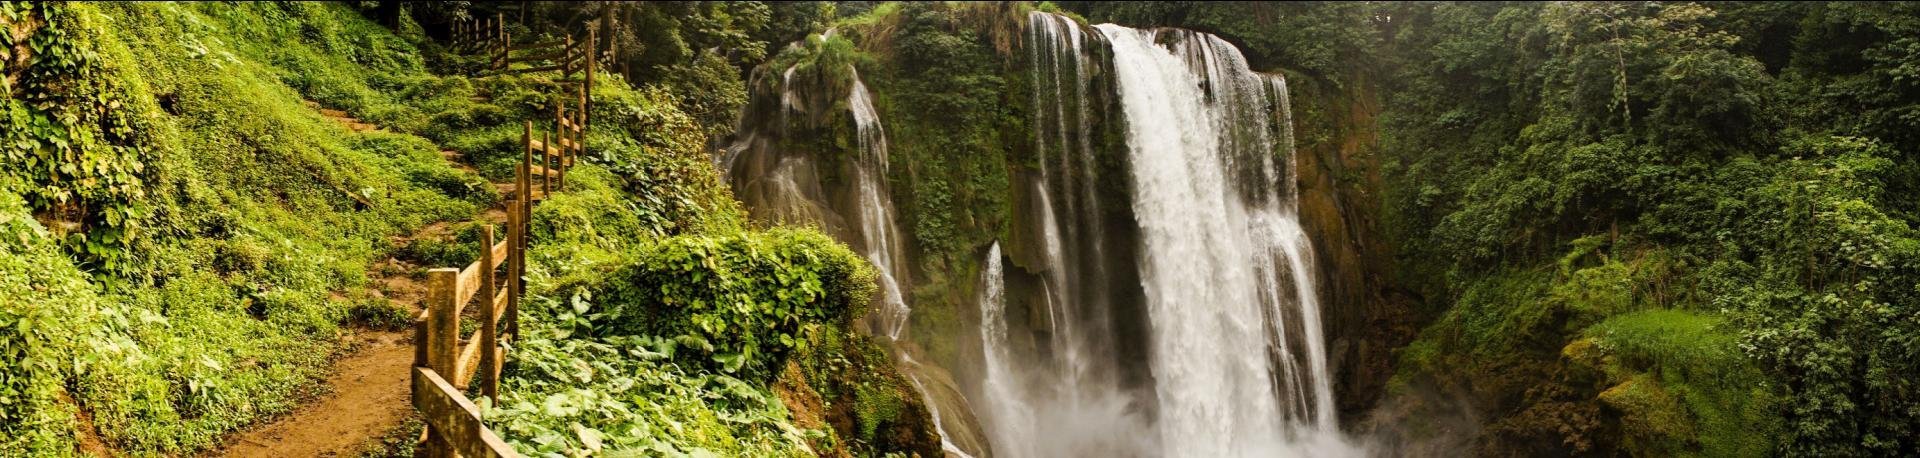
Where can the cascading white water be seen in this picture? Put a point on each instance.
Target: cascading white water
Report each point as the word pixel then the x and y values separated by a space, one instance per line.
pixel 1237 359
pixel 1225 263
pixel 1005 400
pixel 881 239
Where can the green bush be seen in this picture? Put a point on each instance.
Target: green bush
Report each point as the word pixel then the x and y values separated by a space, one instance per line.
pixel 741 300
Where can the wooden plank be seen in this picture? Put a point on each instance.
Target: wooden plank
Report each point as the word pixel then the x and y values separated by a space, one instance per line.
pixel 455 417
pixel 467 286
pixel 548 68
pixel 469 360
pixel 543 171
pixel 540 145
pixel 553 56
pixel 500 302
pixel 442 318
pixel 499 253
pixel 544 44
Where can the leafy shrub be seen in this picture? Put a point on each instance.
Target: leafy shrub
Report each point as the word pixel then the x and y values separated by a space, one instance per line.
pixel 743 297
pixel 380 315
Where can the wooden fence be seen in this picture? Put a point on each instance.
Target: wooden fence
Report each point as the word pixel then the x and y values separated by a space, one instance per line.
pixel 479 33
pixel 571 58
pixel 454 426
pixel 489 37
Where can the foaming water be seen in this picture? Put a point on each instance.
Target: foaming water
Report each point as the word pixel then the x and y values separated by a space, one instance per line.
pixel 1238 355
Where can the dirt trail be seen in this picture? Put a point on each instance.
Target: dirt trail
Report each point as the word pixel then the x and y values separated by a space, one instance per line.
pixel 369 398
pixel 370 386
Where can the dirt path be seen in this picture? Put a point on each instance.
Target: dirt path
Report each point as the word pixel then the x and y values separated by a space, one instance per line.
pixel 370 386
pixel 369 398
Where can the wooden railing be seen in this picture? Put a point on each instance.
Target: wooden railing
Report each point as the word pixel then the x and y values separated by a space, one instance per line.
pixel 564 55
pixel 568 141
pixel 479 33
pixel 489 37
pixel 454 425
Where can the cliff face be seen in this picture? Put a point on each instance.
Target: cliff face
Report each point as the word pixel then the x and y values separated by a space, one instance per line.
pixel 1368 314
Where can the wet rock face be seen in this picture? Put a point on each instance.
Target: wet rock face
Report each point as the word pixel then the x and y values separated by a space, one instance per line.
pixel 1368 316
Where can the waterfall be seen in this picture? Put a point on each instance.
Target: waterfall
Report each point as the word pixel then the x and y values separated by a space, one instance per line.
pixel 1238 355
pixel 1004 402
pixel 1235 347
pixel 879 236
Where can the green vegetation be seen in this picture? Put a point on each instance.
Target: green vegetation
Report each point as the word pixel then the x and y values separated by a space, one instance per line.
pixel 738 301
pixel 659 322
pixel 1696 146
pixel 182 219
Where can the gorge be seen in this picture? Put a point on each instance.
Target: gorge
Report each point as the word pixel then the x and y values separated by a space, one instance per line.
pixel 1179 318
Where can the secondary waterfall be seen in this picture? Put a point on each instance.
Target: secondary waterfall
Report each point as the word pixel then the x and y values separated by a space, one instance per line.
pixel 1004 400
pixel 880 235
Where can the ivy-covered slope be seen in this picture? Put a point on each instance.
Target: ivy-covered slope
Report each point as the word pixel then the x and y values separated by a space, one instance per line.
pixel 185 235
pixel 188 241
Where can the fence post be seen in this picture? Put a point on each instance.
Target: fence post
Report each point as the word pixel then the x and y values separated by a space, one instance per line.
pixel 506 42
pixel 546 164
pixel 560 129
pixel 515 231
pixel 489 340
pixel 581 116
pixel 522 185
pixel 586 91
pixel 566 57
pixel 443 325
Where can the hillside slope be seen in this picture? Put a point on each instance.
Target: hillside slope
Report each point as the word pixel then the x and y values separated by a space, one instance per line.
pixel 190 241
